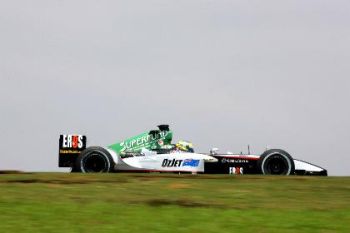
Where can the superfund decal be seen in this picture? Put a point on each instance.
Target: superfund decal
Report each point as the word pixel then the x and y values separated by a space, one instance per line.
pixel 142 141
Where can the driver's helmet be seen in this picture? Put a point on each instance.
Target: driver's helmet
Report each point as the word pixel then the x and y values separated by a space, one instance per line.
pixel 185 146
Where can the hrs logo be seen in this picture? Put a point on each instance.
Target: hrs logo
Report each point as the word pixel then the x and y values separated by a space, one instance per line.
pixel 72 141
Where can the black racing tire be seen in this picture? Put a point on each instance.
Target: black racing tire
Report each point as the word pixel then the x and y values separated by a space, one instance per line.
pixel 276 162
pixel 94 160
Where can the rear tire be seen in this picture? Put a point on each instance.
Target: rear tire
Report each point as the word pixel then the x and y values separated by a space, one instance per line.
pixel 94 160
pixel 276 162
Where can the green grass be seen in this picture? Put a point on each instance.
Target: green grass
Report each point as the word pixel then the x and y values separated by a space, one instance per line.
pixel 53 202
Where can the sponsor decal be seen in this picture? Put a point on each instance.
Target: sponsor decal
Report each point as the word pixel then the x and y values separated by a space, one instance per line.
pixel 72 141
pixel 180 163
pixel 236 170
pixel 69 152
pixel 172 163
pixel 226 160
pixel 191 163
pixel 143 141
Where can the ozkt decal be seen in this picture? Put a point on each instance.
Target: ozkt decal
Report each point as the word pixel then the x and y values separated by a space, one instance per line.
pixel 172 163
pixel 180 163
pixel 72 141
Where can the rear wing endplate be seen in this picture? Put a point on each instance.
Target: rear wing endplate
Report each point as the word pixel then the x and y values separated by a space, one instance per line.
pixel 70 147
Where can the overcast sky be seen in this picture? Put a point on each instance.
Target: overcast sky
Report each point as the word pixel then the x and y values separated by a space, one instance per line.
pixel 222 73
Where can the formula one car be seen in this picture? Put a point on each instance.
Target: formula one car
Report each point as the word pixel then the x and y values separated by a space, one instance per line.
pixel 153 151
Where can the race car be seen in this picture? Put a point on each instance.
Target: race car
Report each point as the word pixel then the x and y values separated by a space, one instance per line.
pixel 153 151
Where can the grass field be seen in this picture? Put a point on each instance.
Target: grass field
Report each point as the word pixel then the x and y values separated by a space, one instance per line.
pixel 58 202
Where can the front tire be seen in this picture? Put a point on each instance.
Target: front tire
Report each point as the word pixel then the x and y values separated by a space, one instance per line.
pixel 94 160
pixel 276 162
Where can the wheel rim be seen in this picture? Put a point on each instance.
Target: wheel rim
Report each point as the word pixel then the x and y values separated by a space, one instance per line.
pixel 276 165
pixel 95 162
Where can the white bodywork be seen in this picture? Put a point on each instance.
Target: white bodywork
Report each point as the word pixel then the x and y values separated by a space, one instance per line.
pixel 305 166
pixel 185 162
pixel 172 162
pixel 253 157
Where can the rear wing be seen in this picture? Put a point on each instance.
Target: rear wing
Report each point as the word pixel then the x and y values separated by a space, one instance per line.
pixel 70 147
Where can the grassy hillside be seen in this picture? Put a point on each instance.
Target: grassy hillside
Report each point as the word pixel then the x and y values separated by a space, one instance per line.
pixel 51 202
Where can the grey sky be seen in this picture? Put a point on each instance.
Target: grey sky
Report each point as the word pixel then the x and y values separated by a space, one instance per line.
pixel 222 73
